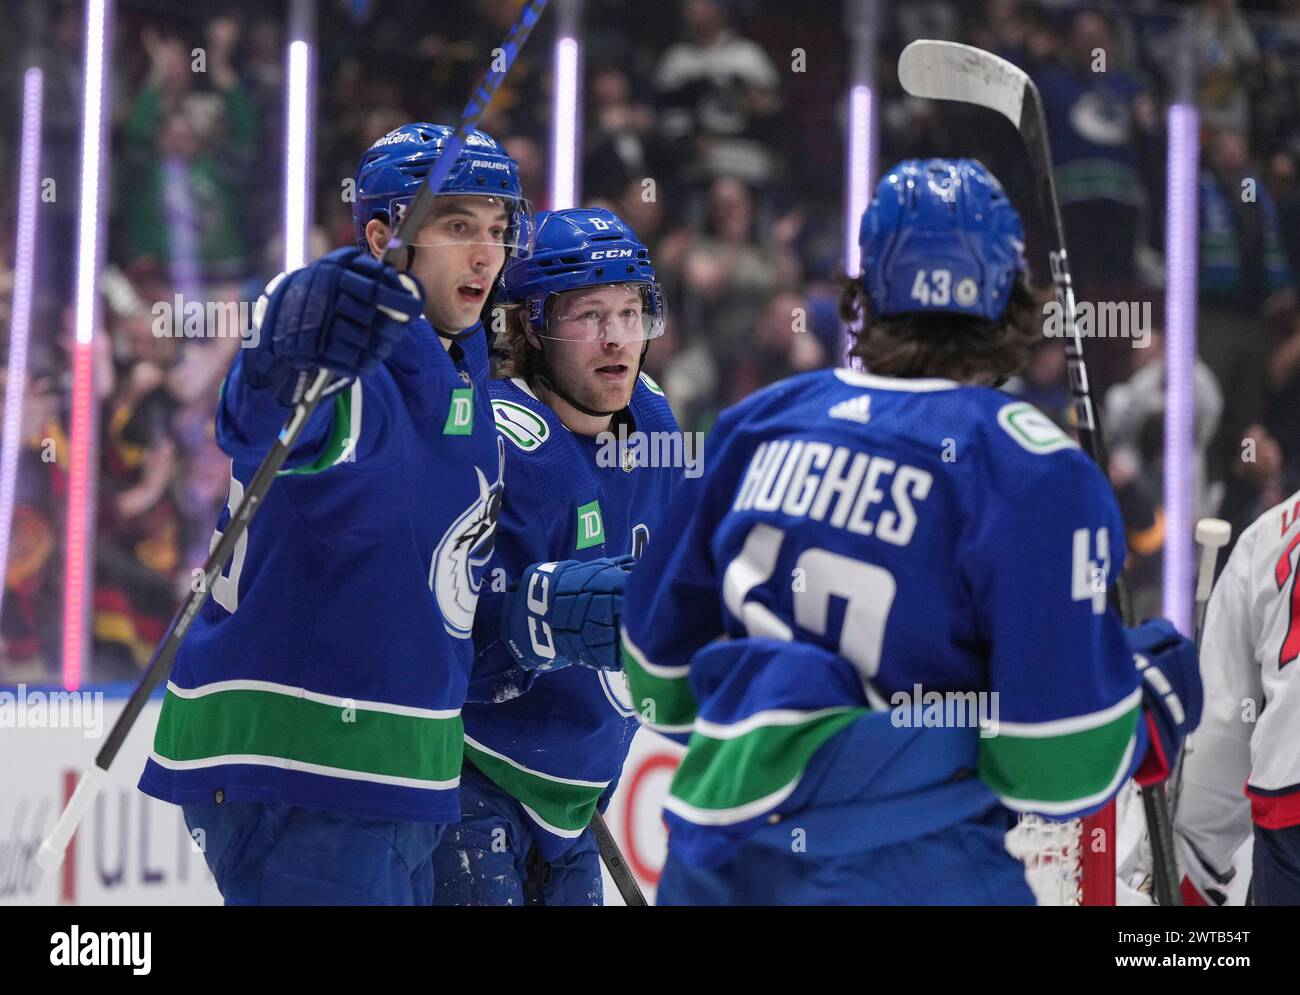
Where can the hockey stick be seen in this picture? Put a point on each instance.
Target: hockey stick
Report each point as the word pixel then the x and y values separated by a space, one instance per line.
pixel 943 70
pixel 614 862
pixel 51 851
pixel 1212 534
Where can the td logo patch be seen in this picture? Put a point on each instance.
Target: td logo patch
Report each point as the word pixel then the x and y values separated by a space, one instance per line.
pixel 460 416
pixel 591 529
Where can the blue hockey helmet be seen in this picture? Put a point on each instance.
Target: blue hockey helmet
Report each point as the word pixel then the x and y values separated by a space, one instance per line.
pixel 942 236
pixel 577 248
pixel 394 167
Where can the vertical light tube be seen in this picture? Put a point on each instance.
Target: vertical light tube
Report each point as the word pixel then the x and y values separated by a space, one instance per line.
pixel 566 109
pixel 861 128
pixel 1182 163
pixel 83 442
pixel 29 174
pixel 1180 360
pixel 857 174
pixel 298 111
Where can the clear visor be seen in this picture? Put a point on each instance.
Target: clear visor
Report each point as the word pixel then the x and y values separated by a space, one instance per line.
pixel 616 312
pixel 473 219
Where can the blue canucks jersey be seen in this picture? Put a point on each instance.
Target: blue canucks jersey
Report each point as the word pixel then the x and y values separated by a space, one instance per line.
pixel 560 744
pixel 329 666
pixel 928 558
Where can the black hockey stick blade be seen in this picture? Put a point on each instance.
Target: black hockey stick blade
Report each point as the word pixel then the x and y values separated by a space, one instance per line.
pixel 614 862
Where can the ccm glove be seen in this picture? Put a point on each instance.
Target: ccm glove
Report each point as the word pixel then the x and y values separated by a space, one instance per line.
pixel 566 612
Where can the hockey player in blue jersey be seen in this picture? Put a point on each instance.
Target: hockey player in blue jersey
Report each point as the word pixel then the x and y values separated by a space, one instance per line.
pixel 311 727
pixel 546 742
pixel 880 618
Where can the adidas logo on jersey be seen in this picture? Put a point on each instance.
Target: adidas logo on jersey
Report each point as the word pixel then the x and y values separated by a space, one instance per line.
pixel 854 409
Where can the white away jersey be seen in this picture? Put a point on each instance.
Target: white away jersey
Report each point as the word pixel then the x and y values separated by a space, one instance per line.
pixel 1249 664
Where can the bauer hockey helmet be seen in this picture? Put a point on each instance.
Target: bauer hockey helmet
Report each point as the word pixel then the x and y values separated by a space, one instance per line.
pixel 582 247
pixel 940 235
pixel 394 167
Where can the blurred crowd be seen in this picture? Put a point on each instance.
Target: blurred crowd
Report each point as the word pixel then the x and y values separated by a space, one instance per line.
pixel 716 128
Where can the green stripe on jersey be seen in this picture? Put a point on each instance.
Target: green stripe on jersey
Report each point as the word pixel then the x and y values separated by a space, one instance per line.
pixel 734 773
pixel 1059 773
pixel 343 440
pixel 279 726
pixel 562 806
pixel 662 703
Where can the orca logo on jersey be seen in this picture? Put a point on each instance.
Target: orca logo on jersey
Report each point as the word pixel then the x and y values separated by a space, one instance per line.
pixel 614 682
pixel 617 693
pixel 463 552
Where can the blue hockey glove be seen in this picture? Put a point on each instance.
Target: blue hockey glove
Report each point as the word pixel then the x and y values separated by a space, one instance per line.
pixel 566 612
pixel 345 312
pixel 1171 693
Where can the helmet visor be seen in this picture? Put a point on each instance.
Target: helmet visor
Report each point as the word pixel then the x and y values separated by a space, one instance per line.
pixel 464 219
pixel 611 312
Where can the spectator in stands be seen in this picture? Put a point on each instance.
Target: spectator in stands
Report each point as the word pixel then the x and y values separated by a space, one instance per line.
pixel 188 158
pixel 1284 187
pixel 1096 130
pixel 1245 284
pixel 782 344
pixel 729 274
pixel 1227 58
pixel 718 98
pixel 1133 416
pixel 618 138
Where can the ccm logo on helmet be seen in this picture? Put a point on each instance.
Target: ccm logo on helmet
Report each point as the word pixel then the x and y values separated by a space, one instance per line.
pixel 611 254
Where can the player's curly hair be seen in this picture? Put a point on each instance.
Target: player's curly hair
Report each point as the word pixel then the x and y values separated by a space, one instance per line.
pixel 515 357
pixel 934 344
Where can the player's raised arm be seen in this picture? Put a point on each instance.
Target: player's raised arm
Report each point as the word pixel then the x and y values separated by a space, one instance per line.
pixel 344 312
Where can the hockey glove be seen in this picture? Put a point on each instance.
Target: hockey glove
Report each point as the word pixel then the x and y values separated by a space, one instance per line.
pixel 566 612
pixel 1171 693
pixel 344 312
